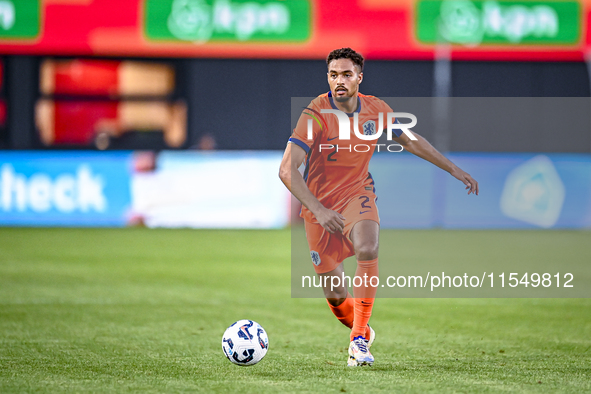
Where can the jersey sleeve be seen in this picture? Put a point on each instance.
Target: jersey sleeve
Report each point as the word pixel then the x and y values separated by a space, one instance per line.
pixel 385 108
pixel 303 135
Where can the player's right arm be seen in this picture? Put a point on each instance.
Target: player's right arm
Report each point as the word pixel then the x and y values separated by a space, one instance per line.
pixel 293 158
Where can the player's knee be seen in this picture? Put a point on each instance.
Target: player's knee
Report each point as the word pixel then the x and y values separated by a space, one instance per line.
pixel 336 301
pixel 336 294
pixel 367 251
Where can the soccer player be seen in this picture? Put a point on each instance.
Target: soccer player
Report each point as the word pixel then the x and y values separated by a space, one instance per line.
pixel 337 191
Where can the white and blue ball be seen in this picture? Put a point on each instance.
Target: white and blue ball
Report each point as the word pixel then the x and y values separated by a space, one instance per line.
pixel 245 342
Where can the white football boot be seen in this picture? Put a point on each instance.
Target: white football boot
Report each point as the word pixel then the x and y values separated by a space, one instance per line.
pixel 359 353
pixel 372 336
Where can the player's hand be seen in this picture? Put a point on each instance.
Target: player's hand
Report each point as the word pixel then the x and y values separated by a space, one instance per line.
pixel 466 179
pixel 332 221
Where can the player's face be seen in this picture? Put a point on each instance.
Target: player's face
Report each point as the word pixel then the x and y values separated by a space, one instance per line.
pixel 344 78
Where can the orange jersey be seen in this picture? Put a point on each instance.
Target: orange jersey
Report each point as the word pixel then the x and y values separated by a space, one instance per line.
pixel 337 170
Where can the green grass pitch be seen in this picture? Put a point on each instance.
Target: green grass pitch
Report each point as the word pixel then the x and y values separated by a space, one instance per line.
pixel 117 310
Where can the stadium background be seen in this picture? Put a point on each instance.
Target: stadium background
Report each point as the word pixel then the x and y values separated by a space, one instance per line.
pixel 70 88
pixel 175 113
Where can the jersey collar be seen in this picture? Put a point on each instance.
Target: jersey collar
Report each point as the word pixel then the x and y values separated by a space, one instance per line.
pixel 348 114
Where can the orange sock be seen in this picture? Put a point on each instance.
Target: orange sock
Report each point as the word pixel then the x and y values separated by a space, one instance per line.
pixel 345 312
pixel 364 297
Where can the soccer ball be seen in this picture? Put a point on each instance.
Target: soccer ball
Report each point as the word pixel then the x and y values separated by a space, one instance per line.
pixel 245 342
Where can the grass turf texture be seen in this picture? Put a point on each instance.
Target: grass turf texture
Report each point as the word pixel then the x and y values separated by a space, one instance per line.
pixel 112 310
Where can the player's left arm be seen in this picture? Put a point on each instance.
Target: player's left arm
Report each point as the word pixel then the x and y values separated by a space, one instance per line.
pixel 423 149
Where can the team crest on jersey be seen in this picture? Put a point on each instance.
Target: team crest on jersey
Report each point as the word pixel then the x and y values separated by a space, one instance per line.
pixel 369 127
pixel 315 258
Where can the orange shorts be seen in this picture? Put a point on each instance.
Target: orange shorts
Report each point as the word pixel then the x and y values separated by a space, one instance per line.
pixel 329 250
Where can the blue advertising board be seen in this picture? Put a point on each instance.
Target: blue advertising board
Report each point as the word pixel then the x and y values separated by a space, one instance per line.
pixel 516 191
pixel 101 189
pixel 65 188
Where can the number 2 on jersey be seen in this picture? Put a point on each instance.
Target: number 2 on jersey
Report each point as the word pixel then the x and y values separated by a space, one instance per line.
pixel 330 156
pixel 366 200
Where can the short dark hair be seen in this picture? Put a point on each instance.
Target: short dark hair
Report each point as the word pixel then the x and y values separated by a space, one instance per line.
pixel 346 53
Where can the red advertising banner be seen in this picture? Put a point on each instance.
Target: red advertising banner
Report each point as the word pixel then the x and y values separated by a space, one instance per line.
pixel 380 29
